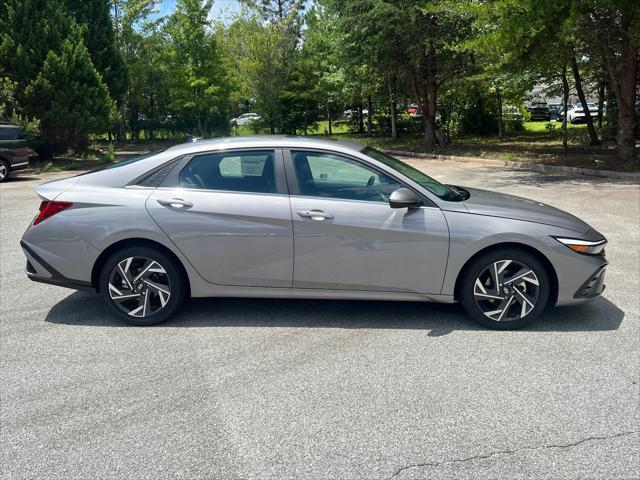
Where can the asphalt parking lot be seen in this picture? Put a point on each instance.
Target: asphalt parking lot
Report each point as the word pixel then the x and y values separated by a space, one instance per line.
pixel 260 389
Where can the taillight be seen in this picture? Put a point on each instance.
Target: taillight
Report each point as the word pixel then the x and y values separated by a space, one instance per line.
pixel 49 209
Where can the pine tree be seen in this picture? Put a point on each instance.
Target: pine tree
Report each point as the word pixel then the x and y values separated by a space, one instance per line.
pixel 100 42
pixel 69 96
pixel 28 31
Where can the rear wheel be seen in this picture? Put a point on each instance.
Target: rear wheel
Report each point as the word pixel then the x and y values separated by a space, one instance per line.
pixel 505 289
pixel 142 285
pixel 5 170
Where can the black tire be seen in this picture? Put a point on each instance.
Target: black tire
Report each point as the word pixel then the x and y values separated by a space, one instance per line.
pixel 5 170
pixel 473 302
pixel 172 273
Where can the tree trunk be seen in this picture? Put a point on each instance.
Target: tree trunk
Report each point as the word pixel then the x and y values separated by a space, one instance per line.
pixel 394 124
pixel 431 139
pixel 479 110
pixel 330 120
pixel 500 124
pixel 601 87
pixel 583 100
pixel 305 117
pixel 428 126
pixel 565 104
pixel 625 136
pixel 121 124
pixel 360 120
pixel 369 115
pixel 392 114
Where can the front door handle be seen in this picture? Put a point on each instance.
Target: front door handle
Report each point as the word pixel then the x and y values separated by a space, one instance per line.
pixel 175 203
pixel 317 215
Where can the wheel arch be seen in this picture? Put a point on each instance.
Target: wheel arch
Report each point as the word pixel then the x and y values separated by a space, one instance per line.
pixel 134 242
pixel 553 294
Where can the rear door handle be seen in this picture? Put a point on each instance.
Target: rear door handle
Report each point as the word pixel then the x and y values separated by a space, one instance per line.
pixel 175 203
pixel 317 215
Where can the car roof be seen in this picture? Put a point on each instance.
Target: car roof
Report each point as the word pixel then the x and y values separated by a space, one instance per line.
pixel 266 141
pixel 121 174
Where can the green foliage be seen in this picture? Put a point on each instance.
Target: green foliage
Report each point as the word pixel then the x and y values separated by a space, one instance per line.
pixel 80 67
pixel 272 76
pixel 99 39
pixel 69 96
pixel 199 88
pixel 110 156
pixel 28 32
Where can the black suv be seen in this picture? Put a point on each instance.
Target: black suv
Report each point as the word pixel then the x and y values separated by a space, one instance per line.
pixel 539 111
pixel 14 153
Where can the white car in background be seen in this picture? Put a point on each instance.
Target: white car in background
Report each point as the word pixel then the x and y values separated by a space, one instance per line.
pixel 245 119
pixel 354 111
pixel 576 112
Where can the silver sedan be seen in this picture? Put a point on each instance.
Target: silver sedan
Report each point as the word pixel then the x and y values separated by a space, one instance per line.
pixel 303 218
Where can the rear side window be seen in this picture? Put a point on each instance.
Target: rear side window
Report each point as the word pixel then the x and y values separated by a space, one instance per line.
pixel 10 132
pixel 247 171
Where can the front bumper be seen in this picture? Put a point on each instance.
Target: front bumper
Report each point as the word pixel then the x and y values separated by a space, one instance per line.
pixel 593 286
pixel 580 277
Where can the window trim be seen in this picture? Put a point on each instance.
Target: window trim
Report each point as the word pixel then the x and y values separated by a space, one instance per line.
pixel 172 180
pixel 135 183
pixel 294 187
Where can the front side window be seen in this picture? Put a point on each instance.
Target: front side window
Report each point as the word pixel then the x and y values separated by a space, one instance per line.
pixel 334 176
pixel 231 171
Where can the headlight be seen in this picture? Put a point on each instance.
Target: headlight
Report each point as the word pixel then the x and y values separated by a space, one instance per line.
pixel 588 247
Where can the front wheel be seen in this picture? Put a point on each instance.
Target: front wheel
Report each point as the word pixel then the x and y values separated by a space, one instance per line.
pixel 505 289
pixel 142 285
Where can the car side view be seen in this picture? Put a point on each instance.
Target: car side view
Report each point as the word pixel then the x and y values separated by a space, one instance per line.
pixel 14 154
pixel 290 217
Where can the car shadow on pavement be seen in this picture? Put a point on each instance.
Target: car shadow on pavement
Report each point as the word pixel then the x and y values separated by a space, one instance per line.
pixel 440 319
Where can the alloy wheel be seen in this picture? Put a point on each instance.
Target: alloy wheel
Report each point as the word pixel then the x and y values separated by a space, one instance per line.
pixel 139 286
pixel 3 171
pixel 506 290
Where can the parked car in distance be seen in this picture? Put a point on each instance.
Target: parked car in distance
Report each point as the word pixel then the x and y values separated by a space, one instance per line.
pixel 512 112
pixel 245 119
pixel 14 154
pixel 354 111
pixel 292 217
pixel 414 110
pixel 576 113
pixel 554 110
pixel 539 111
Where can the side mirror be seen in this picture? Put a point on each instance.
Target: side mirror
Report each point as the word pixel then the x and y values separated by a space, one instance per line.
pixel 404 198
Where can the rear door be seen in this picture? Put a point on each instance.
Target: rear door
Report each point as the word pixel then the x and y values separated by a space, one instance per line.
pixel 228 212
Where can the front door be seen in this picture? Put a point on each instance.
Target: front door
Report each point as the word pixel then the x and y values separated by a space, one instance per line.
pixel 347 237
pixel 229 215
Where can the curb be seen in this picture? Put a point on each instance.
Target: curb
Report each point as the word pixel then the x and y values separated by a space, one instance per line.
pixel 536 167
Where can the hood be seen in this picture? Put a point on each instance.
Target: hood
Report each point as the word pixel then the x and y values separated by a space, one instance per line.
pixel 483 202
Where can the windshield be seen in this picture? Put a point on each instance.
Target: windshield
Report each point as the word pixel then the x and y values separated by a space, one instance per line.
pixel 435 187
